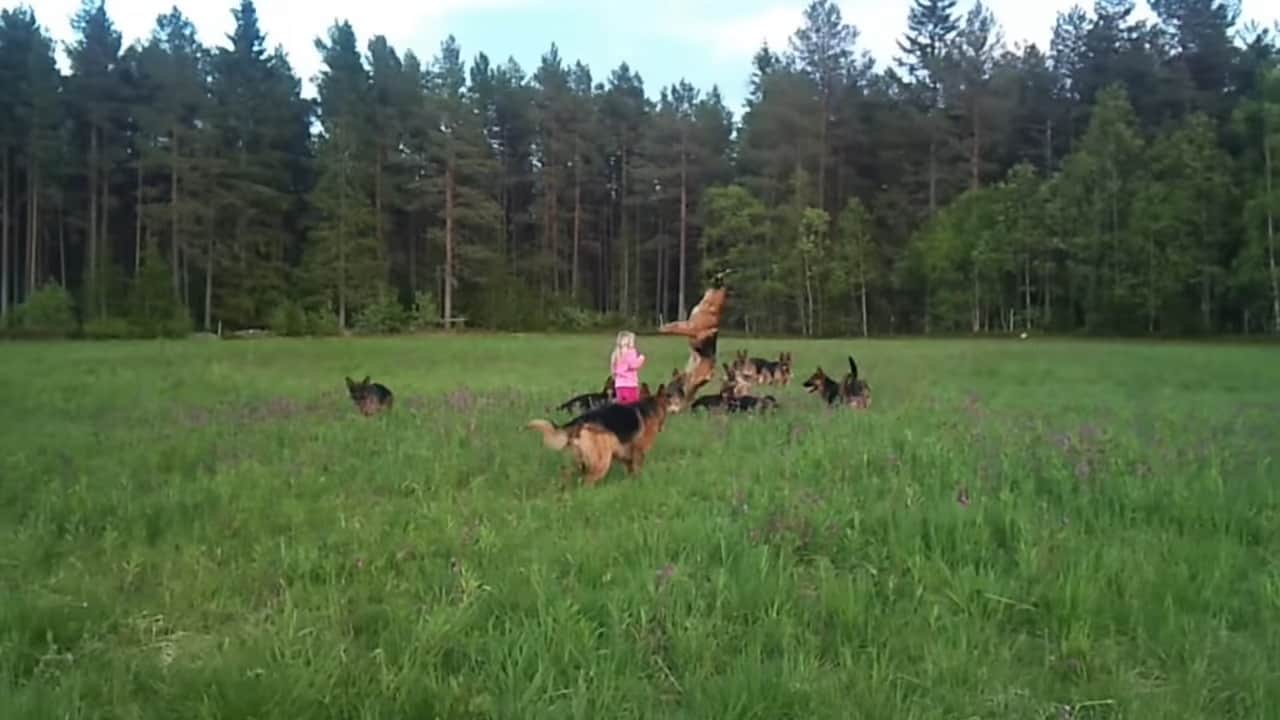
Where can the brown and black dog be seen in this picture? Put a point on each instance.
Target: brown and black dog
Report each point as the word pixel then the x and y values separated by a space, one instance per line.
pixel 370 398
pixel 705 318
pixel 852 390
pixel 734 396
pixel 703 330
pixel 614 431
pixel 762 371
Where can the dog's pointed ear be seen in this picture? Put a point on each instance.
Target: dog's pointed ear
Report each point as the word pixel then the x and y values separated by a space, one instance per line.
pixel 366 380
pixel 728 371
pixel 675 373
pixel 350 383
pixel 662 390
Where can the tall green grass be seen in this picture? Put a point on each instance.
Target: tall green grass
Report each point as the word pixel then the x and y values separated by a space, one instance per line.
pixel 1030 529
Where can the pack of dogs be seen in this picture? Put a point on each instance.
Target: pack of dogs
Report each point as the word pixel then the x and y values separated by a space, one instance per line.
pixel 604 430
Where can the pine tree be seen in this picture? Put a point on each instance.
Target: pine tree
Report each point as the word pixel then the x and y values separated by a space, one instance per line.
pixel 823 47
pixel 95 90
pixel 345 256
pixel 932 27
pixel 263 123
pixel 462 170
pixel 175 64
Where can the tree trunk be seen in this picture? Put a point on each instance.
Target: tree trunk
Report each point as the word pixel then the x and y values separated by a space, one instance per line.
pixel 1046 276
pixel 553 230
pixel 413 254
pixel 636 267
pixel 624 296
pixel 91 276
pixel 62 245
pixel 862 281
pixel 1206 299
pixel 185 274
pixel 4 233
pixel 33 224
pixel 377 198
pixel 208 280
pixel 103 236
pixel 137 222
pixel 342 247
pixel 175 246
pixel 660 277
pixel 577 224
pixel 823 131
pixel 975 152
pixel 448 242
pixel 808 295
pixel 1026 289
pixel 977 304
pixel 1271 238
pixel 1206 274
pixel 1048 147
pixel 1151 287
pixel 681 311
pixel 933 170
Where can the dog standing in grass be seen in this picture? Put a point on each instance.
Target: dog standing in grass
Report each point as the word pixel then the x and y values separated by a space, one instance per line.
pixel 587 401
pixel 624 432
pixel 370 398
pixel 734 396
pixel 852 391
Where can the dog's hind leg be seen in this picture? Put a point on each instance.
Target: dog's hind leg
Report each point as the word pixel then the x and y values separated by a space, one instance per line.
pixel 595 455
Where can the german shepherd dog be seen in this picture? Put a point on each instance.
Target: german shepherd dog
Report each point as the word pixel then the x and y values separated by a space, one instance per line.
pixel 614 431
pixel 703 330
pixel 762 371
pixel 370 398
pixel 856 391
pixel 782 370
pixel 705 318
pixel 587 401
pixel 734 396
pixel 851 391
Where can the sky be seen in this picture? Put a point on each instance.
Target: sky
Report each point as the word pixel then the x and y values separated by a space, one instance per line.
pixel 707 42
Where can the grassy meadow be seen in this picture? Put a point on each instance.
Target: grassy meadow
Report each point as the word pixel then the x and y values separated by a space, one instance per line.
pixel 1041 529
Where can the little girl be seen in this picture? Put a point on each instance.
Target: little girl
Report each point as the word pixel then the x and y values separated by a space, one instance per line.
pixel 625 364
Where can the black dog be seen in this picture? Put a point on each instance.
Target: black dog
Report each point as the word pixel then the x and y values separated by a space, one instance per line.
pixel 589 401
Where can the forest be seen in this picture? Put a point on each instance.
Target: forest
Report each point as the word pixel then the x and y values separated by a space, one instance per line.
pixel 1121 181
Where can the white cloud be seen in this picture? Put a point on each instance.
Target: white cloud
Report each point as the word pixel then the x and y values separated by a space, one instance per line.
pixel 292 24
pixel 742 36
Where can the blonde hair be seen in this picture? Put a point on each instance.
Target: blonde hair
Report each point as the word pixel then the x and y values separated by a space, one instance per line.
pixel 625 339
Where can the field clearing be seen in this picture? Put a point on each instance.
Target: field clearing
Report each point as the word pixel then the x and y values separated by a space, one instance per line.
pixel 1042 529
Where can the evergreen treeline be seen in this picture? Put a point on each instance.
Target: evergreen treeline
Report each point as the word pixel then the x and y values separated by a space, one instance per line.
pixel 1122 180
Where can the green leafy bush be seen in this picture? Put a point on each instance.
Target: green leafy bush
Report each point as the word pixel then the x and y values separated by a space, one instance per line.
pixel 109 328
pixel 48 313
pixel 383 316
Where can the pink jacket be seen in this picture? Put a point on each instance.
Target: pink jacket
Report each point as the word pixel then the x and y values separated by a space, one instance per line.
pixel 626 369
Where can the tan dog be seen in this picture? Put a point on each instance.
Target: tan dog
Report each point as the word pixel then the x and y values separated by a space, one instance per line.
pixel 703 330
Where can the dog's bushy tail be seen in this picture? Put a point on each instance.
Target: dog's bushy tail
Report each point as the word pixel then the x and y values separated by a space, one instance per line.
pixel 853 368
pixel 552 437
